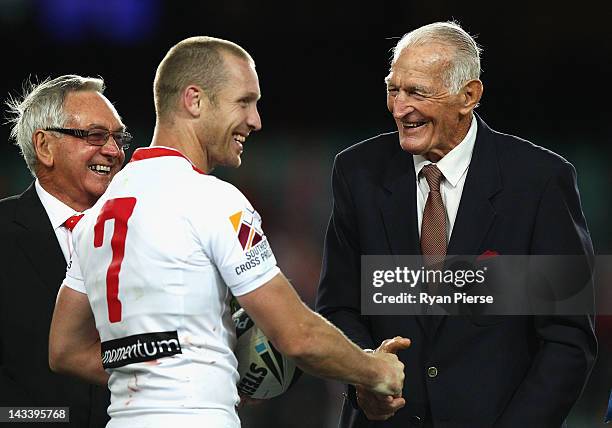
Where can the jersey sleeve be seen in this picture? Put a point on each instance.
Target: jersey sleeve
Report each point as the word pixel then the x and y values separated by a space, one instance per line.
pixel 74 277
pixel 233 238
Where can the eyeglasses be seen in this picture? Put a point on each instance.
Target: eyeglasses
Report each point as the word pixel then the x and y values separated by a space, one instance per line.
pixel 98 137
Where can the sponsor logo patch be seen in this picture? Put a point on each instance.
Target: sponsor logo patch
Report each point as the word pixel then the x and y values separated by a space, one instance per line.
pixel 139 348
pixel 247 225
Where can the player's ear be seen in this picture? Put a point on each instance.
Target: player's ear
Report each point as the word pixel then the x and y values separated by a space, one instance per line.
pixel 192 99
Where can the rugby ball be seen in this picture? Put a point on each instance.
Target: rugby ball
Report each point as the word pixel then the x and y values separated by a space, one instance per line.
pixel 264 372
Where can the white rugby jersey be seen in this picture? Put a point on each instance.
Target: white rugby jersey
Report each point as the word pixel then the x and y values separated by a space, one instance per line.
pixel 159 256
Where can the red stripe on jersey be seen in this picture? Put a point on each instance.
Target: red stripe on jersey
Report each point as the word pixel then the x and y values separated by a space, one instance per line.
pixel 158 152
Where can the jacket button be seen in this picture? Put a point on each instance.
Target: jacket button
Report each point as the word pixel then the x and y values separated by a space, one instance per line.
pixel 415 421
pixel 432 371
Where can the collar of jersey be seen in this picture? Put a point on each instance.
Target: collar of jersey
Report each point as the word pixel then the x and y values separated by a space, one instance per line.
pixel 158 152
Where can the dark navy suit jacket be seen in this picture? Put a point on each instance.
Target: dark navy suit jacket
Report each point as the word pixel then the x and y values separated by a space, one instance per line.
pixel 33 268
pixel 502 371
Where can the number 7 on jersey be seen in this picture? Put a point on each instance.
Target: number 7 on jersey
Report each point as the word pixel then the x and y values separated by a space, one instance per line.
pixel 119 209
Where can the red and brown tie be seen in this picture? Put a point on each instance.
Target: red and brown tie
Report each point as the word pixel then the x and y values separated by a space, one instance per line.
pixel 433 227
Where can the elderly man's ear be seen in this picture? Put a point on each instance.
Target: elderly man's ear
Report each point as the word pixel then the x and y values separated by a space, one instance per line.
pixel 471 94
pixel 42 145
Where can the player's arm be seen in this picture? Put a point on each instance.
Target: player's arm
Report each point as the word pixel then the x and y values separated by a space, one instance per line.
pixel 74 344
pixel 316 345
pixel 251 273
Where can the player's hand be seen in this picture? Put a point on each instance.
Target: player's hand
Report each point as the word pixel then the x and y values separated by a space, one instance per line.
pixel 384 399
pixel 378 407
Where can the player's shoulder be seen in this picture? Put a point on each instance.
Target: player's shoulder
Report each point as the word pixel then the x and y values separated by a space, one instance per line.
pixel 219 196
pixel 217 186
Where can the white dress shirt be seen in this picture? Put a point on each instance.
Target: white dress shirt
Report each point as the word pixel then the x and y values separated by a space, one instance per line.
pixel 454 167
pixel 58 212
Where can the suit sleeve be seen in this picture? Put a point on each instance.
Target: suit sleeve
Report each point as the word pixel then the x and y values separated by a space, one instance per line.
pixel 568 346
pixel 11 392
pixel 339 294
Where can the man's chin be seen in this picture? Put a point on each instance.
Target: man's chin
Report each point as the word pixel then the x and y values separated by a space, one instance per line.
pixel 236 162
pixel 95 180
pixel 413 146
pixel 92 194
pixel 232 163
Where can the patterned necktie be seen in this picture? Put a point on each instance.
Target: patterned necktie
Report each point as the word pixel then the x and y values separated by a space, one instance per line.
pixel 72 221
pixel 433 227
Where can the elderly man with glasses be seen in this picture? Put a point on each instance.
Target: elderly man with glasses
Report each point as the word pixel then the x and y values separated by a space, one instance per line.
pixel 63 127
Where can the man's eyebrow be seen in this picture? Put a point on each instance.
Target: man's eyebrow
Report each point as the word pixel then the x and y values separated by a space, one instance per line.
pixel 418 88
pixel 251 96
pixel 121 128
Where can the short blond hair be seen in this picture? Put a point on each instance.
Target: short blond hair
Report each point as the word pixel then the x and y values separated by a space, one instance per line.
pixel 193 61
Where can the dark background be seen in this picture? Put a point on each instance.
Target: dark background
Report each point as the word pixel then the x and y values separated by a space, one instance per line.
pixel 321 67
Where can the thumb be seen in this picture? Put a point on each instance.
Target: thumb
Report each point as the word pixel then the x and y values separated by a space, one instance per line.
pixel 395 345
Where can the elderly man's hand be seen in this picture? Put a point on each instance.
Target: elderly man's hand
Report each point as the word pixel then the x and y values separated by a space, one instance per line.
pixel 378 407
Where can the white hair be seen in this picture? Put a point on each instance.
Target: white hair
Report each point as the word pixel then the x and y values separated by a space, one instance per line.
pixel 41 106
pixel 464 66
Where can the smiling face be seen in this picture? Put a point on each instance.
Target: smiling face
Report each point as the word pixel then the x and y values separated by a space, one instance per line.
pixel 232 116
pixel 430 120
pixel 74 171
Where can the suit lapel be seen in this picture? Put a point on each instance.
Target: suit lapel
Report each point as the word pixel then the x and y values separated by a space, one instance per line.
pixel 483 181
pixel 399 210
pixel 399 205
pixel 476 213
pixel 38 240
pixel 474 217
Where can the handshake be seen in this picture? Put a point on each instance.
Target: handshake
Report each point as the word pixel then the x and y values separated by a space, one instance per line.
pixel 382 398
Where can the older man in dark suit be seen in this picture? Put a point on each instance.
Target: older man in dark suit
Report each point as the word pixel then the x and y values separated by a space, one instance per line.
pixel 455 186
pixel 73 142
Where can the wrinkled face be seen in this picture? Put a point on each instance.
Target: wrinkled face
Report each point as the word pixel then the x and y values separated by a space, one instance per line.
pixel 81 172
pixel 426 114
pixel 229 120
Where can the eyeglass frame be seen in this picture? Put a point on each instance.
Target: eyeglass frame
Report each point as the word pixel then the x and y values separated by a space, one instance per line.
pixel 84 134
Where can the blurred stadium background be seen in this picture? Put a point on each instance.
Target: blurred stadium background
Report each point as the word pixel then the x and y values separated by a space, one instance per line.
pixel 321 67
